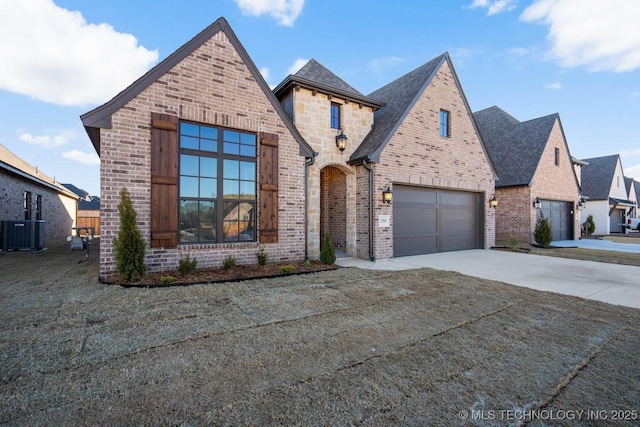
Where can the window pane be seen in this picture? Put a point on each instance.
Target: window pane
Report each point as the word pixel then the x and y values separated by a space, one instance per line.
pixel 188 186
pixel 231 189
pixel 231 148
pixel 189 129
pixel 208 145
pixel 247 190
pixel 248 139
pixel 238 221
pixel 231 136
pixel 208 188
pixel 231 169
pixel 208 167
pixel 207 211
pixel 188 221
pixel 189 142
pixel 247 171
pixel 207 231
pixel 208 132
pixel 247 150
pixel 188 165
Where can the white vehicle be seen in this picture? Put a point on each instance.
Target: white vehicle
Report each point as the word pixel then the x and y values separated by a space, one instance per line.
pixel 633 224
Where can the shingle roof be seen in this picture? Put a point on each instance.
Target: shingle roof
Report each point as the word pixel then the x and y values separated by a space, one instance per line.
pixel 93 205
pixel 514 147
pixel 16 165
pixel 80 192
pixel 597 176
pixel 636 184
pixel 100 117
pixel 314 75
pixel 627 184
pixel 399 96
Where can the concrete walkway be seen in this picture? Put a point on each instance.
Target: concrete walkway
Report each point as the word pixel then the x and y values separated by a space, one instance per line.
pixel 611 283
pixel 604 245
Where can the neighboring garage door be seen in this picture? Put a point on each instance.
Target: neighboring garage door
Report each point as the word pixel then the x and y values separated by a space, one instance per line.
pixel 560 215
pixel 428 220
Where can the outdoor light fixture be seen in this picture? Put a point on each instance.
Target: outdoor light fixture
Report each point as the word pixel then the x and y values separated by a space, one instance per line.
pixel 536 203
pixel 387 195
pixel 341 140
pixel 493 202
pixel 581 203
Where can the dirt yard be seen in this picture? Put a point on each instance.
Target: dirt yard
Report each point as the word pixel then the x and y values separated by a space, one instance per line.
pixel 344 347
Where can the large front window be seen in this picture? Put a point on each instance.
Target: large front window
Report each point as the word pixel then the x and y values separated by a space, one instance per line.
pixel 217 184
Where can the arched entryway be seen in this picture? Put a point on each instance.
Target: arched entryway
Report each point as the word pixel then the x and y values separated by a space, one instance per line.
pixel 333 208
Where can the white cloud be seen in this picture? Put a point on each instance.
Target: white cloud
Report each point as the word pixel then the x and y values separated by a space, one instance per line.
pixel 299 63
pixel 554 86
pixel 390 61
pixel 266 73
pixel 633 172
pixel 90 159
pixel 494 6
pixel 284 11
pixel 599 35
pixel 55 56
pixel 48 141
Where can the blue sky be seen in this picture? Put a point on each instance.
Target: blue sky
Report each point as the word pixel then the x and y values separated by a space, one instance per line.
pixel 579 58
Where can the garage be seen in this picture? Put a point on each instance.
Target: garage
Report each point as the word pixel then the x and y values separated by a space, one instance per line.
pixel 429 220
pixel 560 216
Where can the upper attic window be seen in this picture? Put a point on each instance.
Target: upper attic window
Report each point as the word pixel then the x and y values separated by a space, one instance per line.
pixel 335 115
pixel 445 131
pixel 557 156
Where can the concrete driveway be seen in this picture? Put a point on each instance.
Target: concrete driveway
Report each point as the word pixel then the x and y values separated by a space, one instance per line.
pixel 611 283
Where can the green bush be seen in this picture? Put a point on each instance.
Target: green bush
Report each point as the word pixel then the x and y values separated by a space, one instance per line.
pixel 590 225
pixel 229 262
pixel 167 280
pixel 286 269
pixel 129 247
pixel 542 233
pixel 262 255
pixel 328 252
pixel 187 264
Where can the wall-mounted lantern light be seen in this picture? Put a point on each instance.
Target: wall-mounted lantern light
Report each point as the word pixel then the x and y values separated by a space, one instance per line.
pixel 387 195
pixel 493 202
pixel 537 203
pixel 341 141
pixel 582 203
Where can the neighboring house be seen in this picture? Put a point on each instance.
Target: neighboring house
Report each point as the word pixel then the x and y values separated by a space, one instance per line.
pixel 216 167
pixel 415 138
pixel 632 196
pixel 536 175
pixel 603 186
pixel 88 209
pixel 636 186
pixel 28 194
pixel 213 165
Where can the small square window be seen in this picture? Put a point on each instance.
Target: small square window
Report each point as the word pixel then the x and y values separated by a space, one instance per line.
pixel 335 115
pixel 444 124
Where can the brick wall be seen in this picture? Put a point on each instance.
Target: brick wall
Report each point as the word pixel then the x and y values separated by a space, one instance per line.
pixel 418 155
pixel 514 214
pixel 58 211
pixel 211 86
pixel 334 206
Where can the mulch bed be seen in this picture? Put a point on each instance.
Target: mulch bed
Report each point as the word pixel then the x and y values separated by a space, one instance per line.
pixel 219 275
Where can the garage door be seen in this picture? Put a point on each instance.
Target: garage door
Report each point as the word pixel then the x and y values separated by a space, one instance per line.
pixel 428 220
pixel 560 215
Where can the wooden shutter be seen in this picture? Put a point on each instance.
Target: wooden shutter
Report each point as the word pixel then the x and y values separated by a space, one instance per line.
pixel 268 188
pixel 164 180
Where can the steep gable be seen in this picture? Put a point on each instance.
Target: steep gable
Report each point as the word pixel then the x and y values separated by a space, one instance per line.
pixel 598 176
pixel 514 147
pixel 100 117
pixel 399 97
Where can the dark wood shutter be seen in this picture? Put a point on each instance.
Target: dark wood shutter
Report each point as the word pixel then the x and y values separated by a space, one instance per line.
pixel 268 188
pixel 164 180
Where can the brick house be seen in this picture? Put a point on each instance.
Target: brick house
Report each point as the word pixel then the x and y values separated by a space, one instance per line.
pixel 415 137
pixel 213 164
pixel 218 164
pixel 536 173
pixel 603 186
pixel 26 193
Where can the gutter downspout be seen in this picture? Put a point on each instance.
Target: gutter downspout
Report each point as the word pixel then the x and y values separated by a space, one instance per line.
pixel 307 163
pixel 366 166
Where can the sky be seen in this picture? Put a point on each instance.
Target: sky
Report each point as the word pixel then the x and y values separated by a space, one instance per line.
pixel 579 58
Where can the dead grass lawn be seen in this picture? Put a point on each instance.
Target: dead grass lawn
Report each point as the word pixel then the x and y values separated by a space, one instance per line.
pixel 344 347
